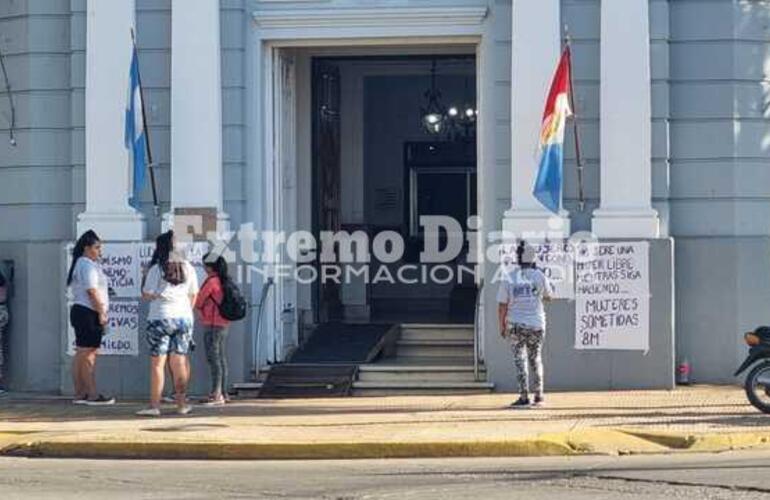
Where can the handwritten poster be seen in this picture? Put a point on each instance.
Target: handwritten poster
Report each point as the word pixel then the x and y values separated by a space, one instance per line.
pixel 122 331
pixel 193 252
pixel 555 260
pixel 612 306
pixel 120 264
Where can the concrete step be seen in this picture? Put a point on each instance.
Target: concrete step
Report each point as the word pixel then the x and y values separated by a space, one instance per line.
pixel 246 389
pixel 419 388
pixel 436 331
pixel 435 348
pixel 418 373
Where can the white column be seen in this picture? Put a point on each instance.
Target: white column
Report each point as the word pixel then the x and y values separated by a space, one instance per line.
pixel 626 209
pixel 108 181
pixel 536 45
pixel 196 106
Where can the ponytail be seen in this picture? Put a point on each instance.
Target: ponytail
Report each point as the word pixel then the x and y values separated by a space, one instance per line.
pixel 87 239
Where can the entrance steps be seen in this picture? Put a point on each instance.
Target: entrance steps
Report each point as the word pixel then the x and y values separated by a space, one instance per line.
pixel 429 359
pixel 424 359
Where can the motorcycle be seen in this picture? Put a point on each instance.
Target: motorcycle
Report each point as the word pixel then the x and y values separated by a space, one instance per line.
pixel 757 383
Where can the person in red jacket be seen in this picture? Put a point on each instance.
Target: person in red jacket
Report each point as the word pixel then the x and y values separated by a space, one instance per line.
pixel 215 327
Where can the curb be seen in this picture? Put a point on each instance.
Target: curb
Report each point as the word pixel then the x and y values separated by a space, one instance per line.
pixel 581 442
pixel 285 451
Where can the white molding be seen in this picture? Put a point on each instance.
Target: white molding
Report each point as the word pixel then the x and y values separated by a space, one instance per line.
pixel 127 225
pixel 370 17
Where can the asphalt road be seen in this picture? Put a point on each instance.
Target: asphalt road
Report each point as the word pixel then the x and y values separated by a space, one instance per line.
pixel 735 475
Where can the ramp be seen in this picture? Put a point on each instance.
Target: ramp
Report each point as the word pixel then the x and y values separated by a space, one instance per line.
pixel 308 381
pixel 327 364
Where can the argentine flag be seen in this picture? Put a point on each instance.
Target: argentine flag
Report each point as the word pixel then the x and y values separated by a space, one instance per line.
pixel 135 138
pixel 548 184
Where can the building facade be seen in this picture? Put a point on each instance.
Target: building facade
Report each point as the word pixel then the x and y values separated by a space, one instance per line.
pixel 671 97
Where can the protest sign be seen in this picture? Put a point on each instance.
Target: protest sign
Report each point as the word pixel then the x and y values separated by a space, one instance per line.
pixel 120 263
pixel 612 305
pixel 122 331
pixel 556 260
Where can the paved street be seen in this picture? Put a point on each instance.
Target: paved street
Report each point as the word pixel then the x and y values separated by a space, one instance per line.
pixel 734 475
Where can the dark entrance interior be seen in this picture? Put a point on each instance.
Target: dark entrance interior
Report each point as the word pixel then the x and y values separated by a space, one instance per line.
pixel 403 147
pixel 392 140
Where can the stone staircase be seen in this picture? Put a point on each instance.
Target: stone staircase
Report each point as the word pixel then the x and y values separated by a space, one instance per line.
pixel 429 359
pixel 426 359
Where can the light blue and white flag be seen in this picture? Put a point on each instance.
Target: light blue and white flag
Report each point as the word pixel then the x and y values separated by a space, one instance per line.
pixel 135 134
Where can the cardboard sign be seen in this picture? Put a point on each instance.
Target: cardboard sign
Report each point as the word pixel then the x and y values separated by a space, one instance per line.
pixel 612 305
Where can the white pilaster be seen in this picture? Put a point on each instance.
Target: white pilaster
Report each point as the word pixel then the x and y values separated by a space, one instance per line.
pixel 626 209
pixel 535 53
pixel 196 106
pixel 108 180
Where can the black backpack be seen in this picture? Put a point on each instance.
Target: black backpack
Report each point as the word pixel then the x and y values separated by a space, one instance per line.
pixel 233 306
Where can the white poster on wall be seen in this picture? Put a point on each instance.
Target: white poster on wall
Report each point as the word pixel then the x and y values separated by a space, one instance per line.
pixel 555 260
pixel 120 263
pixel 612 292
pixel 193 252
pixel 122 332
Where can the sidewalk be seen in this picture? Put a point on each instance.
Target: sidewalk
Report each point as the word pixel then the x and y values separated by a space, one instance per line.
pixel 704 418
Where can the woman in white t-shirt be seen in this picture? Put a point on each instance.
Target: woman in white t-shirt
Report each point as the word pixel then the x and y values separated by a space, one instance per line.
pixel 170 285
pixel 522 319
pixel 88 316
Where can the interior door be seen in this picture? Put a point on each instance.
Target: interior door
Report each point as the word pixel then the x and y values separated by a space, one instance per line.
pixel 326 176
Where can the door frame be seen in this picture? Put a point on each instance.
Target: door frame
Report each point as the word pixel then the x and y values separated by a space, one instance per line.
pixel 331 32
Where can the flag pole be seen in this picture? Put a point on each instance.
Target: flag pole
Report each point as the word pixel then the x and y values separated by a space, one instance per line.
pixel 578 156
pixel 150 164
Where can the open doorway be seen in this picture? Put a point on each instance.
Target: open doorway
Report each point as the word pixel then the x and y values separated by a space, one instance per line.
pixel 363 144
pixel 393 140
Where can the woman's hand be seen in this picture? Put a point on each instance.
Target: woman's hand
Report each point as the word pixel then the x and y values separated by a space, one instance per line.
pixel 103 318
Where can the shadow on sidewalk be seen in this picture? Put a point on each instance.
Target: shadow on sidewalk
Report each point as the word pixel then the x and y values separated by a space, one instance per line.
pixel 61 410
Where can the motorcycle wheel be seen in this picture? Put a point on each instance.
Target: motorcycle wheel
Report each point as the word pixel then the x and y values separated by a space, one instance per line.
pixel 757 387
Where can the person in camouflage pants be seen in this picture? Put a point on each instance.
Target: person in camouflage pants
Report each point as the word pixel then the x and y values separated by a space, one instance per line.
pixel 521 316
pixel 527 345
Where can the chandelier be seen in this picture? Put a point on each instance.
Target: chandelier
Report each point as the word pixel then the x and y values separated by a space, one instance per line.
pixel 457 122
pixel 434 113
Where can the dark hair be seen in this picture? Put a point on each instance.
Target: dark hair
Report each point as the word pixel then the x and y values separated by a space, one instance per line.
pixel 217 264
pixel 172 268
pixel 520 255
pixel 87 239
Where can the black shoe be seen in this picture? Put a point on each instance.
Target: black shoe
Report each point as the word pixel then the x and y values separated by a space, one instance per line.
pixel 100 401
pixel 539 401
pixel 522 402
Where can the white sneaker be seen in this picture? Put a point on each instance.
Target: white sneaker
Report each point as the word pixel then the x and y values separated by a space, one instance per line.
pixel 184 410
pixel 79 401
pixel 149 412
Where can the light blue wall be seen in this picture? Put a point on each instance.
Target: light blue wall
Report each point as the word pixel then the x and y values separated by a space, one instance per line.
pixel 711 175
pixel 720 170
